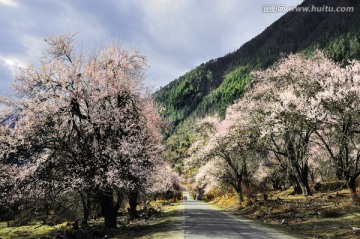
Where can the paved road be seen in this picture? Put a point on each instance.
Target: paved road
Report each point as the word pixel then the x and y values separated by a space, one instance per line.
pixel 202 221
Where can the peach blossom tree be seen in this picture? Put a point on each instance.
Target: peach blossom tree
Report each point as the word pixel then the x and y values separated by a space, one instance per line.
pixel 87 125
pixel 307 105
pixel 229 152
pixel 339 132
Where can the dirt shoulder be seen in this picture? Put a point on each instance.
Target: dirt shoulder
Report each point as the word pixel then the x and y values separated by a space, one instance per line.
pixel 327 214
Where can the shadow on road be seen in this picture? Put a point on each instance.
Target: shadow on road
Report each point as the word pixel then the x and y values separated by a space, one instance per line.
pixel 202 221
pixel 166 225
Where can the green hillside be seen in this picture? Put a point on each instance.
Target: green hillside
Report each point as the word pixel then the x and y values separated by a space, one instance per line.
pixel 212 86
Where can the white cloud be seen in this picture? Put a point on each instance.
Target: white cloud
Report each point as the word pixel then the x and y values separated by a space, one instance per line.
pixel 176 36
pixel 9 3
pixel 12 63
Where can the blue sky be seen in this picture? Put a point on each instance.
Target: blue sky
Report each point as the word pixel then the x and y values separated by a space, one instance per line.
pixel 175 35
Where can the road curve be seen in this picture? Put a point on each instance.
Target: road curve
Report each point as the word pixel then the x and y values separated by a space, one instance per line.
pixel 201 221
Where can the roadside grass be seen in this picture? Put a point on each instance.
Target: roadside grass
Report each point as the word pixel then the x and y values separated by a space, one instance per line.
pixel 327 214
pixel 31 231
pixel 166 224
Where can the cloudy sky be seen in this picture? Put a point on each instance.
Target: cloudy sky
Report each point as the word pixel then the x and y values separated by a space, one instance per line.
pixel 175 35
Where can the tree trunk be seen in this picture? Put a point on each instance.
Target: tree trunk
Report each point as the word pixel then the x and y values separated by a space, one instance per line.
pixel 133 197
pixel 305 188
pixel 86 208
pixel 302 175
pixel 245 175
pixel 86 211
pixel 110 216
pixel 297 188
pixel 351 183
pixel 305 180
pixel 239 189
pixel 109 208
pixel 241 197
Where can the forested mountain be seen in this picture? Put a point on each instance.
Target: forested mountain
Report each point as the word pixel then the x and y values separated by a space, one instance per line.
pixel 212 86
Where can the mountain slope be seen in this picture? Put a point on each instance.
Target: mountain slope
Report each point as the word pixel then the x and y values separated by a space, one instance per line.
pixel 212 86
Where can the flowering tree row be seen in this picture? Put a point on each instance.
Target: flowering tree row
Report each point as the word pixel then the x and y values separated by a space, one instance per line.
pixel 84 124
pixel 298 114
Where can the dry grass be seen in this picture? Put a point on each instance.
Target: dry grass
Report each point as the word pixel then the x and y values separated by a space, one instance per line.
pixel 327 214
pixel 31 231
pixel 166 224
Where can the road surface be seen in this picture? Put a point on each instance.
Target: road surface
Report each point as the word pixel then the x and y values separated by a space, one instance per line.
pixel 201 221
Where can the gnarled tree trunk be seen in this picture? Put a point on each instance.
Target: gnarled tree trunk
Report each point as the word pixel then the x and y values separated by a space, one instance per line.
pixel 86 204
pixel 109 206
pixel 351 184
pixel 133 197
